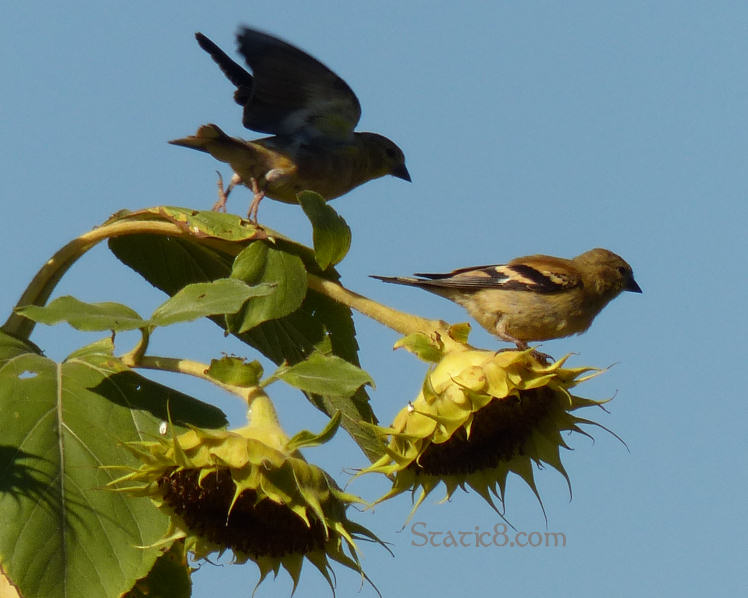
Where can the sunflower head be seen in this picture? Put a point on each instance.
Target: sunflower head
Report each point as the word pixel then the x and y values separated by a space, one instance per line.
pixel 479 416
pixel 251 491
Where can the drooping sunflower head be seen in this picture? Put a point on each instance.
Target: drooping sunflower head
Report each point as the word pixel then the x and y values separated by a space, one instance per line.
pixel 251 491
pixel 479 416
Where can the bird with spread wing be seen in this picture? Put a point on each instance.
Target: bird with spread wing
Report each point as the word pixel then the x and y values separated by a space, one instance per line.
pixel 311 114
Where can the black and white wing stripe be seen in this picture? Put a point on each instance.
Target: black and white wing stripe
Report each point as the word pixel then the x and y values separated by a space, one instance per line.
pixel 509 277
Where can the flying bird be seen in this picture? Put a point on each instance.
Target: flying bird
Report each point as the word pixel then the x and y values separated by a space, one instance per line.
pixel 311 114
pixel 533 298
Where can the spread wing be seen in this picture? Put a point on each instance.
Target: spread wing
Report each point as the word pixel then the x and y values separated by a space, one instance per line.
pixel 539 274
pixel 243 81
pixel 288 92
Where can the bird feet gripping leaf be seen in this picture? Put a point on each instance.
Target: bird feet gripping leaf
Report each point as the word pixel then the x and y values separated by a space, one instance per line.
pixel 311 114
pixel 223 195
pixel 533 298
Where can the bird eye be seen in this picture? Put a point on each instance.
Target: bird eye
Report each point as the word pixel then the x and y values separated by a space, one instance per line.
pixel 622 271
pixel 391 152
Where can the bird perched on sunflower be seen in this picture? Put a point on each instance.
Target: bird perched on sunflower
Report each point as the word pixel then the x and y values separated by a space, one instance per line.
pixel 311 113
pixel 533 298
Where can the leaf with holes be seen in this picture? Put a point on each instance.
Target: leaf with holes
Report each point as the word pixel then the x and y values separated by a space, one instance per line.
pixel 62 535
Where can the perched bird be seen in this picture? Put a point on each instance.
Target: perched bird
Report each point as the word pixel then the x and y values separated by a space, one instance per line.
pixel 311 113
pixel 533 298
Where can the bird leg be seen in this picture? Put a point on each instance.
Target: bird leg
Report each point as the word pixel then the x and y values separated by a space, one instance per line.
pixel 223 196
pixel 255 205
pixel 543 358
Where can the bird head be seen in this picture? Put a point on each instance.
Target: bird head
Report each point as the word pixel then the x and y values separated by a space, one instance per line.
pixel 385 157
pixel 611 272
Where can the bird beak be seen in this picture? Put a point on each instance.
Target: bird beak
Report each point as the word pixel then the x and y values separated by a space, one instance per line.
pixel 401 172
pixel 632 286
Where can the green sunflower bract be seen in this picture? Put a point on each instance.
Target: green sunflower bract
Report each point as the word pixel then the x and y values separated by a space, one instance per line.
pixel 479 416
pixel 250 490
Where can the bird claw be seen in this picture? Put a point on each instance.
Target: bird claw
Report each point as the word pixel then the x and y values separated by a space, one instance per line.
pixel 223 195
pixel 220 205
pixel 543 358
pixel 256 199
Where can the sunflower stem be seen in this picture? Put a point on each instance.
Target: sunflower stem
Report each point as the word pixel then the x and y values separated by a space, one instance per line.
pixel 41 286
pixel 262 411
pixel 189 367
pixel 399 321
pixel 133 357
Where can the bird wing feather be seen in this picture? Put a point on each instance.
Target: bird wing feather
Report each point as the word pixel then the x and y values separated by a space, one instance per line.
pixel 293 93
pixel 525 274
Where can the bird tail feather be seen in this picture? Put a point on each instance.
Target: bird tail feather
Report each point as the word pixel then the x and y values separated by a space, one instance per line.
pixel 399 280
pixel 206 135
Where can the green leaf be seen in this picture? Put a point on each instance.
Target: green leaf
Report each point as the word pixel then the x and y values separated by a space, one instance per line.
pixel 236 371
pixel 200 299
pixel 325 375
pixel 429 347
pixel 85 316
pixel 460 332
pixel 62 534
pixel 305 438
pixel 169 577
pixel 330 233
pixel 320 323
pixel 171 263
pixel 204 224
pixel 423 346
pixel 260 263
pixel 249 265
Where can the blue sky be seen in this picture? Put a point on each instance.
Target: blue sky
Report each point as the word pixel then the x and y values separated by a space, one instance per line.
pixel 533 127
